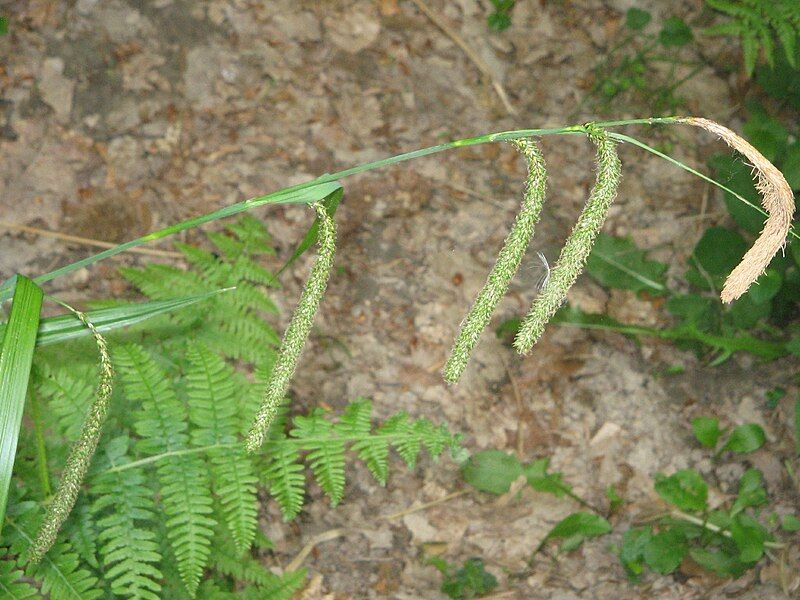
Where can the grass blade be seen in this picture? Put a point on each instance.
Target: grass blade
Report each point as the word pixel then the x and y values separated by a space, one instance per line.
pixel 303 194
pixel 16 356
pixel 54 330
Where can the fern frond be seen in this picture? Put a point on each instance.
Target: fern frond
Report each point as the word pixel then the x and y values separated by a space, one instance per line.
pixel 125 508
pixel 213 412
pixel 285 479
pixel 68 392
pixel 161 423
pixel 325 443
pixel 757 22
pixel 81 531
pixel 12 584
pixel 228 561
pixel 356 423
pixel 232 323
pixel 60 572
pixel 325 452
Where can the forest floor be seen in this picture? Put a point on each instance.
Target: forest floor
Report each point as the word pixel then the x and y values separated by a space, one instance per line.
pixel 122 117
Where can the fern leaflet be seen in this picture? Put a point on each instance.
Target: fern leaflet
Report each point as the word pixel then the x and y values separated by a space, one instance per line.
pixel 124 505
pixel 213 412
pixel 185 493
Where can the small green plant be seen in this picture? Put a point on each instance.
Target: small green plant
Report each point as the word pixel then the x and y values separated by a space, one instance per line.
pixel 471 580
pixel 725 540
pixel 758 23
pixel 500 19
pixel 630 71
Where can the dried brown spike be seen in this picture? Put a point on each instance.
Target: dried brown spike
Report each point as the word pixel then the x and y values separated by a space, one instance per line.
pixel 776 198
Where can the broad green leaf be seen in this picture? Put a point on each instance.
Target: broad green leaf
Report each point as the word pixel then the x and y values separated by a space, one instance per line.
pixel 738 177
pixel 790 523
pixel 632 551
pixel 581 524
pixel 698 312
pixel 542 481
pixel 666 550
pixel 637 19
pixel 685 489
pixel 491 471
pixel 766 133
pixel 675 32
pixel 749 536
pixel 746 438
pixel 791 166
pixel 745 313
pixel 54 330
pixel 470 581
pixel 766 286
pixel 751 491
pixel 706 430
pixel 715 256
pixel 16 357
pixel 3 25
pixel 618 263
pixel 719 562
pixel 614 499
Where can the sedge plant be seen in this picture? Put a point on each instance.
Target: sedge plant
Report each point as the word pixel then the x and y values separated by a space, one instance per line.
pixel 161 421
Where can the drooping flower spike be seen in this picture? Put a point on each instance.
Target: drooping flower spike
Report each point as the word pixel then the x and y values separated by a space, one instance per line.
pixel 507 263
pixel 297 332
pixel 80 455
pixel 578 245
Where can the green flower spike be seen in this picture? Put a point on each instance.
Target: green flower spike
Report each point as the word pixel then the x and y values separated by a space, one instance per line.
pixel 579 244
pixel 507 263
pixel 297 332
pixel 80 456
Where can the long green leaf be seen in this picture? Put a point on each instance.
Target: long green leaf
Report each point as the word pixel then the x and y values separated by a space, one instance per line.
pixel 54 330
pixel 308 193
pixel 16 356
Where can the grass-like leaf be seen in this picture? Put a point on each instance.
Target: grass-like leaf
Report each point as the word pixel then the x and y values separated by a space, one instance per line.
pixel 16 356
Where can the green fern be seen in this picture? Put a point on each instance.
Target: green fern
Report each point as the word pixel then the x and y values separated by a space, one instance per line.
pixel 233 323
pixel 170 506
pixel 68 392
pixel 12 585
pixel 213 407
pixel 325 443
pixel 228 561
pixel 757 23
pixel 124 507
pixel 185 493
pixel 60 573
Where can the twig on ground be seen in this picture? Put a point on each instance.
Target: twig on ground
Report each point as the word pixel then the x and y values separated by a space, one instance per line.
pixel 85 241
pixel 325 536
pixel 485 69
pixel 425 506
